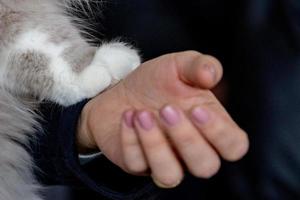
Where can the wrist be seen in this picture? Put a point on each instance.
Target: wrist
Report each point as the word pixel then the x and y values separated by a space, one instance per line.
pixel 100 117
pixel 85 141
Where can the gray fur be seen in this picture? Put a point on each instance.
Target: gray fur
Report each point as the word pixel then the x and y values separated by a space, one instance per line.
pixel 53 62
pixel 16 179
pixel 29 71
pixel 79 63
pixel 19 16
pixel 24 75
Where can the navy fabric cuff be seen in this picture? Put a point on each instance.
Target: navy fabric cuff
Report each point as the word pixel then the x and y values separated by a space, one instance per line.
pixel 59 160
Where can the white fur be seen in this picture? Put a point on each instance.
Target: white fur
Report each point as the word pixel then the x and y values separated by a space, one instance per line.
pixel 112 61
pixel 118 58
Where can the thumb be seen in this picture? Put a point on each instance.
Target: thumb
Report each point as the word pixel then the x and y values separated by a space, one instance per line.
pixel 199 70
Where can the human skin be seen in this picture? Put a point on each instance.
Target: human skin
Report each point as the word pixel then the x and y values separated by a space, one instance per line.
pixel 129 122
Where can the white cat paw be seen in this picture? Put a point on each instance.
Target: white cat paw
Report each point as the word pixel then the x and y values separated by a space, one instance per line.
pixel 72 88
pixel 94 80
pixel 120 59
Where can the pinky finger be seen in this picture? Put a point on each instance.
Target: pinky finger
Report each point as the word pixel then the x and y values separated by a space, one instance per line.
pixel 134 159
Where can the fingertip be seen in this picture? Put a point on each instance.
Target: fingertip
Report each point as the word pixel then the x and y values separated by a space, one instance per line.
pixel 170 180
pixel 241 148
pixel 209 168
pixel 206 77
pixel 199 70
pixel 208 72
pixel 218 68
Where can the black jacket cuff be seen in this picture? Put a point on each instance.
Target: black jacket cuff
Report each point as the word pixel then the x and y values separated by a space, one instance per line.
pixel 99 175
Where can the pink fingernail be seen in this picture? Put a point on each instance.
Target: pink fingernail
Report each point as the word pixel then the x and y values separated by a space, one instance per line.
pixel 128 118
pixel 145 120
pixel 170 115
pixel 200 115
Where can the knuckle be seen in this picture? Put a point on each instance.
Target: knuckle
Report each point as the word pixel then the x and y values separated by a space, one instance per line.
pixel 185 140
pixel 231 142
pixel 219 132
pixel 155 144
pixel 180 56
pixel 214 133
pixel 192 53
pixel 136 166
pixel 129 143
pixel 208 169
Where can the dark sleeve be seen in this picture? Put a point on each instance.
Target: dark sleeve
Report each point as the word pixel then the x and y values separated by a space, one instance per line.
pixel 57 160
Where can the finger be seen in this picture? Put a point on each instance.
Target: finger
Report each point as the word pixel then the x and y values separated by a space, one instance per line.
pixel 200 158
pixel 134 159
pixel 166 169
pixel 199 70
pixel 221 131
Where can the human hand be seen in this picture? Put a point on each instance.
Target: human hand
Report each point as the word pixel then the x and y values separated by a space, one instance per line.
pixel 180 80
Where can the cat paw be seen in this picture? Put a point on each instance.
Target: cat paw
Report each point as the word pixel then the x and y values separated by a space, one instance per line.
pixel 72 88
pixel 119 58
pixel 94 80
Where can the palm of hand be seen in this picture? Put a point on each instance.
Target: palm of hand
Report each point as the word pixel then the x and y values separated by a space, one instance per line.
pixel 168 79
pixel 183 80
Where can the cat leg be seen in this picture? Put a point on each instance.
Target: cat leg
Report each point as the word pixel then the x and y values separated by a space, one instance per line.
pixel 111 63
pixel 71 87
pixel 74 70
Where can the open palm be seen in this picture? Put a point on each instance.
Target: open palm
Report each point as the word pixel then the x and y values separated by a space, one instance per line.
pixel 172 115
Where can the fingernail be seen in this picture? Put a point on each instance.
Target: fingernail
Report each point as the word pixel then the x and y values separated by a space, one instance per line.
pixel 128 118
pixel 211 69
pixel 200 115
pixel 170 115
pixel 145 120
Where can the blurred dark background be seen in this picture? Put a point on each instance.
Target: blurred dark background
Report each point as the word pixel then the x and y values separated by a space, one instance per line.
pixel 258 43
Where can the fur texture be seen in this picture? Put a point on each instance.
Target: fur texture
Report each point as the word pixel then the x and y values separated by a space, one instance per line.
pixel 16 178
pixel 44 56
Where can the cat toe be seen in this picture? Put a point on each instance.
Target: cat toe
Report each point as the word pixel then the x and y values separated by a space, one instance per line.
pixel 120 59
